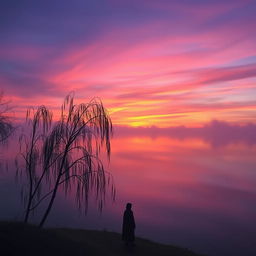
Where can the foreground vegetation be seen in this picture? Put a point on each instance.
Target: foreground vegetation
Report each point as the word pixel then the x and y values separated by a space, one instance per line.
pixel 22 239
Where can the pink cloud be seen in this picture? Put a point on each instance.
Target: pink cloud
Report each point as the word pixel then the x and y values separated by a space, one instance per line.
pixel 143 72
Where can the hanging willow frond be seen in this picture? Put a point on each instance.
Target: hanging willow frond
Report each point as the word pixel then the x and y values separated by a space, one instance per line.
pixel 6 126
pixel 66 154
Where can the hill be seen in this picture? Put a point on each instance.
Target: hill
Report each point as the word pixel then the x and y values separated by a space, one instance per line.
pixel 20 239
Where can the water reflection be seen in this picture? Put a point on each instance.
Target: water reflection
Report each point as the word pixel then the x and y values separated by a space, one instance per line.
pixel 184 191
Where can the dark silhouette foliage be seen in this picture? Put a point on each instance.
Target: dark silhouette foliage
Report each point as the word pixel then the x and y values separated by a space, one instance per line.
pixel 65 154
pixel 6 126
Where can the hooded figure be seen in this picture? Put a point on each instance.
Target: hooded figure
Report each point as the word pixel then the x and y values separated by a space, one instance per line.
pixel 128 225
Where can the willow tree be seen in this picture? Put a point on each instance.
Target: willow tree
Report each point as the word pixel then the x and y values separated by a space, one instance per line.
pixel 65 154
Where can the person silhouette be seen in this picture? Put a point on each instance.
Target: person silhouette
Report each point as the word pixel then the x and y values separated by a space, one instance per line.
pixel 128 226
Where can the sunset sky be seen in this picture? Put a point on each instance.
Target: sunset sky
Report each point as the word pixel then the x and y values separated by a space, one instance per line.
pixel 152 62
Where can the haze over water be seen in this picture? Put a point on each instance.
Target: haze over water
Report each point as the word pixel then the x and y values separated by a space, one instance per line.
pixel 188 191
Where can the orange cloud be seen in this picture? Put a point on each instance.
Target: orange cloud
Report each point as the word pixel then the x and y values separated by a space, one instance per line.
pixel 164 80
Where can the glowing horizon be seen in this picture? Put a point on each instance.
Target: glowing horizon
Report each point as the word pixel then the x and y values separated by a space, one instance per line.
pixel 152 63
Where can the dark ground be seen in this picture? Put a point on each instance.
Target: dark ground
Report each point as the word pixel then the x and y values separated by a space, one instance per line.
pixel 19 239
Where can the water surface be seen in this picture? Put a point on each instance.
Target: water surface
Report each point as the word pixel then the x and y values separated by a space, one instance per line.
pixel 185 191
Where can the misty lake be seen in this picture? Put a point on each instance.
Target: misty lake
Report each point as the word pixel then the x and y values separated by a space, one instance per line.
pixel 187 191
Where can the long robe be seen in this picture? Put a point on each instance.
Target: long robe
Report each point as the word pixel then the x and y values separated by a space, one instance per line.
pixel 128 226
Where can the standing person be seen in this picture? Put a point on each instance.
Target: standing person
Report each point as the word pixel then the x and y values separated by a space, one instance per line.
pixel 128 225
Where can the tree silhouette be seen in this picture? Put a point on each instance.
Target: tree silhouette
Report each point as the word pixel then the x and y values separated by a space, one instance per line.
pixel 65 153
pixel 6 127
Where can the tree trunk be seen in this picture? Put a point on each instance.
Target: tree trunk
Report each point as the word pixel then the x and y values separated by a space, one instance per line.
pixel 55 188
pixel 50 204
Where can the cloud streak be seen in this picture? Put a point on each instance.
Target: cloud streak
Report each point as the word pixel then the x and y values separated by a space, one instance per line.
pixel 152 63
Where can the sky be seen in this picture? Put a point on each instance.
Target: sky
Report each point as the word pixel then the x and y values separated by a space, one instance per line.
pixel 152 63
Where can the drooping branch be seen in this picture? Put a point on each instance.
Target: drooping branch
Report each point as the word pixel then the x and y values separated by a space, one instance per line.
pixel 67 154
pixel 6 127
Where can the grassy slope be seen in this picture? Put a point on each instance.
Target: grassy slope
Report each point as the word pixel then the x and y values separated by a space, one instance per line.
pixel 20 239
